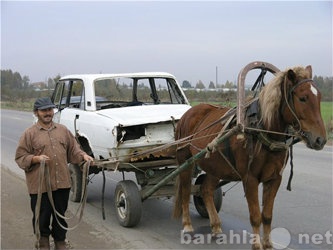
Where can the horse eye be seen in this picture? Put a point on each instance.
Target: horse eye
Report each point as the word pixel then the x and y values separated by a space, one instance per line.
pixel 303 99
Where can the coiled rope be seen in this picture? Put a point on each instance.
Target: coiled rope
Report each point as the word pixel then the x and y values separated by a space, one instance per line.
pixel 44 174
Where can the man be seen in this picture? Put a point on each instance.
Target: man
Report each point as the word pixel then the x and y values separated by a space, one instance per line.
pixel 55 145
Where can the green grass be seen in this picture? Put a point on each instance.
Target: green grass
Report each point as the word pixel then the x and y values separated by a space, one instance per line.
pixel 327 114
pixel 19 105
pixel 225 104
pixel 327 111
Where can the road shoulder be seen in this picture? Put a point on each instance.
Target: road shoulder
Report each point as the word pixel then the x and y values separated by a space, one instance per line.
pixel 16 215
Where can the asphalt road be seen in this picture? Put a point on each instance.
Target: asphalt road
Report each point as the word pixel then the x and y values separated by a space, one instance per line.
pixel 302 218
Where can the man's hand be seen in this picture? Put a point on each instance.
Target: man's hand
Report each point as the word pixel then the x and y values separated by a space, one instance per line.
pixel 40 158
pixel 88 158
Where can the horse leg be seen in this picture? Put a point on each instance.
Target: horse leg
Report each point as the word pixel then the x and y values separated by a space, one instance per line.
pixel 183 190
pixel 251 192
pixel 207 191
pixel 270 189
pixel 186 177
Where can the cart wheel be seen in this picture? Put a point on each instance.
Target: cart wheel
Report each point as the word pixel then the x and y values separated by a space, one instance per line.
pixel 76 179
pixel 200 204
pixel 127 201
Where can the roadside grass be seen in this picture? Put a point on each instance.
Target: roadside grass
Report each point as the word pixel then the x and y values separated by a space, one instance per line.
pixel 225 104
pixel 18 105
pixel 327 114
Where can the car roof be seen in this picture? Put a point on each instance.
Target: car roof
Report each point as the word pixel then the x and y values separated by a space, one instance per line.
pixel 93 77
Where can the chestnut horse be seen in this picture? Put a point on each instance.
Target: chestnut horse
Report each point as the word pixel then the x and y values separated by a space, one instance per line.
pixel 289 100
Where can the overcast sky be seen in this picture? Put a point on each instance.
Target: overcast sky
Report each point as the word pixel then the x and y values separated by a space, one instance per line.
pixel 188 39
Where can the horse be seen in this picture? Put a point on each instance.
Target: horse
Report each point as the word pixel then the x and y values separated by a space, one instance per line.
pixel 290 101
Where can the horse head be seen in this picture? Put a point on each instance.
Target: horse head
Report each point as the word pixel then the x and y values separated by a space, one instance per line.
pixel 302 106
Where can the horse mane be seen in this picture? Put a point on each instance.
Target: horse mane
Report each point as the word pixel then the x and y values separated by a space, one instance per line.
pixel 271 96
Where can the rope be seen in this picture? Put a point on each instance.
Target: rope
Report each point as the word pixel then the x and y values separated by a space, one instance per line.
pixel 290 108
pixel 44 174
pixel 39 199
pixel 269 131
pixel 187 140
pixel 291 169
pixel 224 193
pixel 103 192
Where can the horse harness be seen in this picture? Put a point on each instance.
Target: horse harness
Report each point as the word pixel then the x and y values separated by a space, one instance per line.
pixel 255 130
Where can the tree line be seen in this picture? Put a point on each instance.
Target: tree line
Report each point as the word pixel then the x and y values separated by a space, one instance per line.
pixel 15 87
pixel 200 85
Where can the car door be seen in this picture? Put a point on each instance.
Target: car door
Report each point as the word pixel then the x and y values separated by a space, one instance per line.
pixel 68 97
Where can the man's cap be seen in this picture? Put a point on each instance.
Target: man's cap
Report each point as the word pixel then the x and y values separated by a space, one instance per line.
pixel 43 103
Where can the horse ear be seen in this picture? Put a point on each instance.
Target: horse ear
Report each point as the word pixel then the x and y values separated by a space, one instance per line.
pixel 309 69
pixel 291 75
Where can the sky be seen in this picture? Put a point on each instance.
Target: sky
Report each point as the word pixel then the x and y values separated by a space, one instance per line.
pixel 193 40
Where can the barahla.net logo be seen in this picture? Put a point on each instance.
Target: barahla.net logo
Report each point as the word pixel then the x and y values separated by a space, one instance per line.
pixel 281 238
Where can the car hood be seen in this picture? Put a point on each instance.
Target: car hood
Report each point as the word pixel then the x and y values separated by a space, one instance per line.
pixel 145 114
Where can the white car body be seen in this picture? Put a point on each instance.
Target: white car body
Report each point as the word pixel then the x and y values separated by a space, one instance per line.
pixel 115 116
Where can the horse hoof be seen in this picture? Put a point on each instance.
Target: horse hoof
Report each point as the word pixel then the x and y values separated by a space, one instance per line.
pixel 216 231
pixel 189 235
pixel 267 244
pixel 256 247
pixel 217 235
pixel 188 229
pixel 268 247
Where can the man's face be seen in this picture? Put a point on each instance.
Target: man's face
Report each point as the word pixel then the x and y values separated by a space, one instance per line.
pixel 45 116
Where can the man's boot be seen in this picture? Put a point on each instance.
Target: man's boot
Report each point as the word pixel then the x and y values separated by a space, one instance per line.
pixel 60 245
pixel 43 243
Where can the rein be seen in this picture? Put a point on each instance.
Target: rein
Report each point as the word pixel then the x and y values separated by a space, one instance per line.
pixel 44 174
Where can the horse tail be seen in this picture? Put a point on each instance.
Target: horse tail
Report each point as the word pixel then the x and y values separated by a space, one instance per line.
pixel 183 182
pixel 184 128
pixel 177 209
pixel 181 148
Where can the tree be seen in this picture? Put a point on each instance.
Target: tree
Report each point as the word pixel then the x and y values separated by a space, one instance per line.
pixel 25 81
pixel 12 79
pixel 17 81
pixel 211 85
pixel 229 85
pixel 186 84
pixel 56 79
pixel 200 85
pixel 325 85
pixel 6 77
